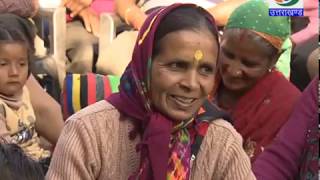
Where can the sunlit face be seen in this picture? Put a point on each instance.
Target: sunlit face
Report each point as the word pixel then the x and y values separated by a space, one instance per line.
pixel 180 83
pixel 243 62
pixel 13 68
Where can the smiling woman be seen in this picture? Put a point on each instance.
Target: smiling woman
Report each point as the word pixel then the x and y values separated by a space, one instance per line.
pixel 171 74
pixel 258 97
pixel 179 82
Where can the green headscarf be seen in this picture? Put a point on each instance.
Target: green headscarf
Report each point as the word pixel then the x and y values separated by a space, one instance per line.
pixel 254 15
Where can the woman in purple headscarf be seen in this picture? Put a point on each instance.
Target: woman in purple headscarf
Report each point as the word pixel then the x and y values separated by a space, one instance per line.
pixel 148 130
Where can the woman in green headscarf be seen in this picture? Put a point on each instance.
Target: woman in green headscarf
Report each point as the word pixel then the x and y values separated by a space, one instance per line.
pixel 256 94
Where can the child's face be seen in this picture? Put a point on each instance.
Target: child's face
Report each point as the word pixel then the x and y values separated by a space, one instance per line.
pixel 13 68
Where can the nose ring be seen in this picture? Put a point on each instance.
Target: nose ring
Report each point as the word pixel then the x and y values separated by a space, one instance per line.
pixel 238 73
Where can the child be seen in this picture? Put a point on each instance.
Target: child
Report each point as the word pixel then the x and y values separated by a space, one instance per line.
pixel 16 165
pixel 17 119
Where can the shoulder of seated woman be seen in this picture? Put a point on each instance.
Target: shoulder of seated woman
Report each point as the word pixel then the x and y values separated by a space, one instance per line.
pixel 93 111
pixel 223 128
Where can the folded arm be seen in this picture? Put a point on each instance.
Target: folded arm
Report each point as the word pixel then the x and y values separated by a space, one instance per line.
pixel 74 156
pixel 49 121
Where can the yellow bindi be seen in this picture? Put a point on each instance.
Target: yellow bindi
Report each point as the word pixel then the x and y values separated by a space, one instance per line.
pixel 198 55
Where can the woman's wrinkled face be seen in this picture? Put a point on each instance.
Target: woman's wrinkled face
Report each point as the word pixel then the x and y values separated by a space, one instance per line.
pixel 179 82
pixel 243 62
pixel 13 68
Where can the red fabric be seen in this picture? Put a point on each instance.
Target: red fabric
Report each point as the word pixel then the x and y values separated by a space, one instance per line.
pixel 260 113
pixel 203 128
pixel 91 89
pixel 107 87
pixel 65 103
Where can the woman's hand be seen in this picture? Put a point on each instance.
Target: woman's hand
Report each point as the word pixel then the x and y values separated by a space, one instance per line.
pixel 76 6
pixel 138 22
pixel 91 21
pixel 135 16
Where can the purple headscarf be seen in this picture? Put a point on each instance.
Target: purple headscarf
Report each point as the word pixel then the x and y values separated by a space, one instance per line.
pixel 133 100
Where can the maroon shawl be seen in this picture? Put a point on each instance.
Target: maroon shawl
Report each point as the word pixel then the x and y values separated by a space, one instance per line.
pixel 262 111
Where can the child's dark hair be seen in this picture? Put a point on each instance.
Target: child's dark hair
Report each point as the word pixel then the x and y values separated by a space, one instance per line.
pixel 16 165
pixel 10 35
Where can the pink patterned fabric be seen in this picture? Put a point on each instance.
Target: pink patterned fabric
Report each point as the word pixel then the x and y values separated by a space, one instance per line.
pixel 311 11
pixel 101 6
